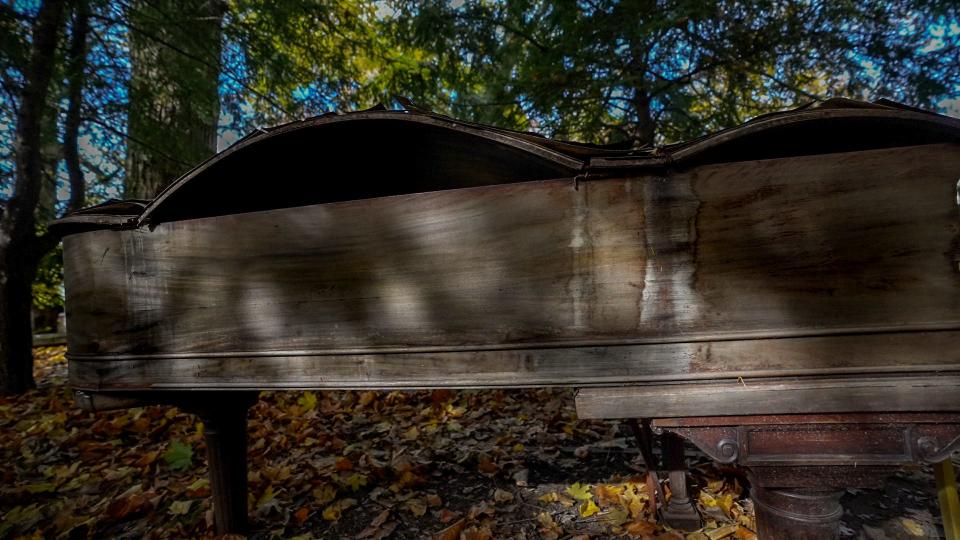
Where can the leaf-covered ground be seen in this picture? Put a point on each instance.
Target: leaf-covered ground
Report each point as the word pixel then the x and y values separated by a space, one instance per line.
pixel 372 465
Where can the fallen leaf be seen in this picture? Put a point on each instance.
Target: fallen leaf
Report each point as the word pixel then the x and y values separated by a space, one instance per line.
pixel 588 508
pixel 379 527
pixel 475 533
pixel 356 481
pixel 324 494
pixel 335 510
pixel 180 508
pixel 417 507
pixel 452 532
pixel 616 517
pixel 641 528
pixel 487 466
pixel 608 494
pixel 579 491
pixel 446 516
pixel 301 515
pixel 199 488
pixel 307 401
pixel 722 532
pixel 179 456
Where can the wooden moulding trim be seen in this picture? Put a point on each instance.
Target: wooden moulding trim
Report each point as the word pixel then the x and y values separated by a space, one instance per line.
pixel 905 392
pixel 591 343
pixel 630 386
pixel 817 419
pixel 497 136
pixel 387 372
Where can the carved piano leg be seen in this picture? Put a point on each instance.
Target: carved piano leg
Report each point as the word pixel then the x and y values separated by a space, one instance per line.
pixel 225 432
pixel 798 465
pixel 679 512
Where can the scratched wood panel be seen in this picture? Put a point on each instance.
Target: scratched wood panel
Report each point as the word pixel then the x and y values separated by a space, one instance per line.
pixel 921 354
pixel 853 242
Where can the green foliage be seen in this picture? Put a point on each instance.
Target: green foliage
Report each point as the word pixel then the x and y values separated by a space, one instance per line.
pixel 48 283
pixel 178 456
pixel 647 71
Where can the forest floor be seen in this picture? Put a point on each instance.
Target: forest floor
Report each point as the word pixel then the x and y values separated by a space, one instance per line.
pixel 372 465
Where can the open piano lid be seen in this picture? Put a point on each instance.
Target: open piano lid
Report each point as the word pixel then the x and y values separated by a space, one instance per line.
pixel 377 153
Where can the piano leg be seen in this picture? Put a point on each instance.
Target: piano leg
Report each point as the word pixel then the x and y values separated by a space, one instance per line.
pixel 797 513
pixel 679 512
pixel 224 419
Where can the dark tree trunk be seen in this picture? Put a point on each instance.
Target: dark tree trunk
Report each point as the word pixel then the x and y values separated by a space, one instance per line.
pixel 16 295
pixel 20 247
pixel 77 58
pixel 646 128
pixel 174 99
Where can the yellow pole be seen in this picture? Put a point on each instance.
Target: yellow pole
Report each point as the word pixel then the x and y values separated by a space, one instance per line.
pixel 949 502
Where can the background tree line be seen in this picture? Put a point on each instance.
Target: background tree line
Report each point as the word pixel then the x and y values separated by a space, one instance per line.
pixel 107 99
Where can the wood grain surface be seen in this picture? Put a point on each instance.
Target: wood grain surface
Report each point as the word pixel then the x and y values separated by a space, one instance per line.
pixel 806 264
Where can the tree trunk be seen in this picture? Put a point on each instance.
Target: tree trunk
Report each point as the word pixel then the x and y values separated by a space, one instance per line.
pixel 18 240
pixel 174 99
pixel 16 299
pixel 646 127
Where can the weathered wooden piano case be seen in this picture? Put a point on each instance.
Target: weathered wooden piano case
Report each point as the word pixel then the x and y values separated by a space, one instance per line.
pixel 785 294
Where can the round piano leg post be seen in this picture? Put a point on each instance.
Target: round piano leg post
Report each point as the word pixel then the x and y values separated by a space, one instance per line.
pixel 680 512
pixel 225 432
pixel 797 514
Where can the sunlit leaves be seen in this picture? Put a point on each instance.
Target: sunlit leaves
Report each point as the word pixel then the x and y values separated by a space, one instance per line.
pixel 78 474
pixel 579 491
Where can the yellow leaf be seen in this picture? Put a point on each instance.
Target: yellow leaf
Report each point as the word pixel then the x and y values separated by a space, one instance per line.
pixel 587 508
pixel 551 497
pixel 266 497
pixel 913 527
pixel 579 491
pixel 411 434
pixel 335 510
pixel 608 494
pixel 180 508
pixel 722 532
pixel 324 494
pixel 356 481
pixel 616 517
pixel 725 502
pixel 307 401
pixel 200 483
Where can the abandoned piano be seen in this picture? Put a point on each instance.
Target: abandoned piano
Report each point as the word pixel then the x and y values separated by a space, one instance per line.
pixel 784 294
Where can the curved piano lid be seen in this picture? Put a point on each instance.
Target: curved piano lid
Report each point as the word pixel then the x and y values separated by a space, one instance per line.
pixel 820 127
pixel 367 154
pixel 376 153
pixel 112 214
